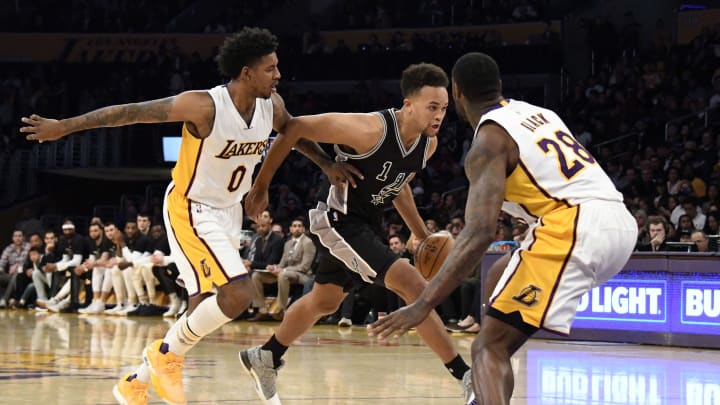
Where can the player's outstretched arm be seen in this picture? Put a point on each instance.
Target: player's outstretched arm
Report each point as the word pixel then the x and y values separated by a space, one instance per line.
pixel 325 128
pixel 338 173
pixel 192 106
pixel 486 167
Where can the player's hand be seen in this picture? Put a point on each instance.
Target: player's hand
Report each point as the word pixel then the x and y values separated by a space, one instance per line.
pixel 341 173
pixel 398 322
pixel 42 129
pixel 157 259
pixel 256 200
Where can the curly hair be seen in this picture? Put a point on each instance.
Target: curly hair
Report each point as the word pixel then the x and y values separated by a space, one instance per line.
pixel 245 48
pixel 415 77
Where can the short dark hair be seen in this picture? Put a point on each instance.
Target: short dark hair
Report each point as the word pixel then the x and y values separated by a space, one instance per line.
pixel 477 76
pixel 299 219
pixel 658 219
pixel 415 77
pixel 400 238
pixel 245 48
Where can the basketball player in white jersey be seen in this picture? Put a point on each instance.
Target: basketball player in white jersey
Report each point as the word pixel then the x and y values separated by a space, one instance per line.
pixel 224 135
pixel 524 160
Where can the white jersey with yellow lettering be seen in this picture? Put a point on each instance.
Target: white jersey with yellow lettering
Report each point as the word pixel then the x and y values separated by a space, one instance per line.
pixel 553 169
pixel 218 169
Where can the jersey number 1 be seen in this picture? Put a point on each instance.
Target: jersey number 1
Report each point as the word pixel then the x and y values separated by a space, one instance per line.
pixel 568 168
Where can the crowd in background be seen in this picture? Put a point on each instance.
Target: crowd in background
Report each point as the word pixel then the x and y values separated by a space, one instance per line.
pixel 660 100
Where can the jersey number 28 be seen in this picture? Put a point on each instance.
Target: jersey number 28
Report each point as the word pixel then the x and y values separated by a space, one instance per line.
pixel 566 147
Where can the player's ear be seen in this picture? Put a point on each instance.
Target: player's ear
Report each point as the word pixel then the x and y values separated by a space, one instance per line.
pixel 245 73
pixel 407 103
pixel 456 93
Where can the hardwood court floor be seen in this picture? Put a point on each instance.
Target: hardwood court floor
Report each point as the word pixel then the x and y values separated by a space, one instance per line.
pixel 69 359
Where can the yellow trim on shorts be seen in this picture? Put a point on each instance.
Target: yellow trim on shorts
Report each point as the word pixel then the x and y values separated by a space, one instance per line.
pixel 531 288
pixel 208 271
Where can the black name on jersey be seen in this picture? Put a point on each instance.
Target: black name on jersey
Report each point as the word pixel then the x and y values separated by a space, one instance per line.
pixel 534 122
pixel 233 148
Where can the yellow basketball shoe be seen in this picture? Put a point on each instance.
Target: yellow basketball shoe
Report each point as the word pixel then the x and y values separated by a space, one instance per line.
pixel 165 372
pixel 131 392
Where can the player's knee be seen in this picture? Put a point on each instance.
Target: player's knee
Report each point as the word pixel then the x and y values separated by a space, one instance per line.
pixel 484 350
pixel 326 306
pixel 236 294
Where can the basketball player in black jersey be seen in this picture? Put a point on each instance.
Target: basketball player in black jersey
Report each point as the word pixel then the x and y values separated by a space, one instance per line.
pixel 388 147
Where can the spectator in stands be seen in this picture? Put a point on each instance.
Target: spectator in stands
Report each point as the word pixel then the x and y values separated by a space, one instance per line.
pixel 43 280
pixel 31 267
pixel 397 244
pixel 711 224
pixel 432 225
pixel 278 229
pixel 97 262
pixel 19 280
pixel 456 225
pixel 143 223
pixel 294 268
pixel 136 254
pixel 70 250
pixel 268 248
pixel 641 219
pixel 696 216
pixel 166 273
pixel 35 241
pixel 685 226
pixel 11 262
pixel 144 273
pixel 701 241
pixel 658 229
pixel 114 235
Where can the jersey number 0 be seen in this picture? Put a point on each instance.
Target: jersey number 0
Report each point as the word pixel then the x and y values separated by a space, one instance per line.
pixel 236 178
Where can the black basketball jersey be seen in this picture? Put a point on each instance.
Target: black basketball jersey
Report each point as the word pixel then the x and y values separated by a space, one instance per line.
pixel 387 167
pixel 97 250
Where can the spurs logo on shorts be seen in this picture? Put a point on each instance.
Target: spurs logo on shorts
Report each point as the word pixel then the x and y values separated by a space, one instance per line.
pixel 205 267
pixel 355 265
pixel 528 295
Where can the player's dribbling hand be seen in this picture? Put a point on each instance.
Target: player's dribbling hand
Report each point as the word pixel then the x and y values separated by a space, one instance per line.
pixel 341 173
pixel 255 201
pixel 41 129
pixel 398 322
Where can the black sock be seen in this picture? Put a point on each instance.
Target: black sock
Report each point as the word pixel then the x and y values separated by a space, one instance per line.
pixel 278 350
pixel 457 367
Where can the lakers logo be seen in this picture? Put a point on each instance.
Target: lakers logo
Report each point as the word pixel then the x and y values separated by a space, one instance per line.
pixel 528 295
pixel 205 268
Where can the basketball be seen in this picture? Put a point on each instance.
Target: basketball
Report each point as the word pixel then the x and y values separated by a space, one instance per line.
pixel 431 253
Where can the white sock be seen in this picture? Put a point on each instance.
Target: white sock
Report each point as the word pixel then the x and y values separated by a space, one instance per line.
pixel 143 374
pixel 204 319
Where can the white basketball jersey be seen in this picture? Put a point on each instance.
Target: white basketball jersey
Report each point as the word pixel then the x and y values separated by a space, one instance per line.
pixel 218 169
pixel 553 169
